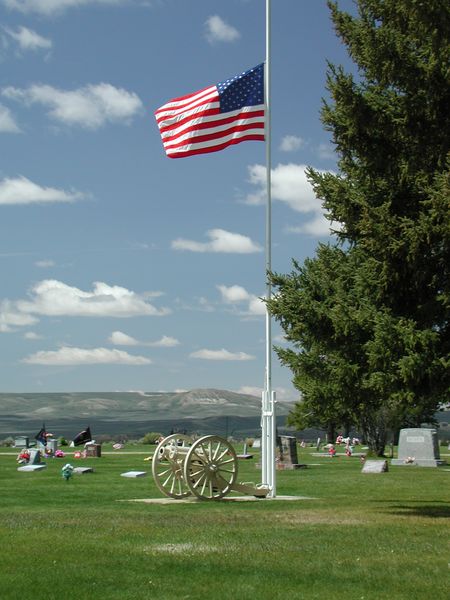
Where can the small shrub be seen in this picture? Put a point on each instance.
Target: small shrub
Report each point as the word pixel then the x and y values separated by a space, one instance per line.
pixel 7 442
pixel 151 438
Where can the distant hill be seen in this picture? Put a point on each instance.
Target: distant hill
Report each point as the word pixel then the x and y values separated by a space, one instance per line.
pixel 134 413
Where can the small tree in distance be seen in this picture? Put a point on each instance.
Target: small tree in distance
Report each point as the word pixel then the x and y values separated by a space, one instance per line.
pixel 152 437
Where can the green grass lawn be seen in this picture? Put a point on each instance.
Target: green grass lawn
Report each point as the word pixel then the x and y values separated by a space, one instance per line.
pixel 358 537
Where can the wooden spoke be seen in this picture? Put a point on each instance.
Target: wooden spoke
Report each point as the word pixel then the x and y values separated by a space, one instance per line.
pixel 210 468
pixel 167 465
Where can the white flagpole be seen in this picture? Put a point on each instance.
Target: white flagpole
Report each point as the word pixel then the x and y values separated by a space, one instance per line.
pixel 268 420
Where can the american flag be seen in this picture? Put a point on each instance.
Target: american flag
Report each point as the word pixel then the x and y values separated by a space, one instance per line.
pixel 41 436
pixel 215 117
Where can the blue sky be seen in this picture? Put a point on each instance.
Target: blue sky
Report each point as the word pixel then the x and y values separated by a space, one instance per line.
pixel 122 269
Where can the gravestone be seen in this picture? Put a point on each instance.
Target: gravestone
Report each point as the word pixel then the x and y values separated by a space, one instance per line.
pixel 375 466
pixel 22 441
pixel 32 467
pixel 287 453
pixel 35 457
pixel 418 447
pixel 93 450
pixel 133 474
pixel 245 454
pixel 82 470
pixel 52 445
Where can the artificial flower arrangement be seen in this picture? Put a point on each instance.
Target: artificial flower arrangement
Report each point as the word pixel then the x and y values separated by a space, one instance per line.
pixel 67 471
pixel 23 457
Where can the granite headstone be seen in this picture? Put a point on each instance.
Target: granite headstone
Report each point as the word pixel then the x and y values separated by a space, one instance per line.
pixel 418 447
pixel 22 441
pixel 93 450
pixel 287 453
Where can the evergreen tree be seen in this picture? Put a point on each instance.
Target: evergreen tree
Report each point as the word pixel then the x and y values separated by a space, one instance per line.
pixel 369 316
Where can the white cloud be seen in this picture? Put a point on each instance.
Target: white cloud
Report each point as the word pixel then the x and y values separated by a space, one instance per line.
pixel 233 293
pixel 256 306
pixel 81 356
pixel 54 298
pixel 166 342
pixel 27 39
pixel 10 317
pixel 221 355
pixel 31 335
pixel 45 264
pixel 7 122
pixel 291 143
pixel 236 294
pixel 23 191
pixel 53 7
pixel 199 304
pixel 290 185
pixel 90 107
pixel 221 241
pixel 122 339
pixel 219 31
pixel 250 390
pixel 318 226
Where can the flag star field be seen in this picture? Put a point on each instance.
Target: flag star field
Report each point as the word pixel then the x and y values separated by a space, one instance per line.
pixel 123 270
pixel 246 89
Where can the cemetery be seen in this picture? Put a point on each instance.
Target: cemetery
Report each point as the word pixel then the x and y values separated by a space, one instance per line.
pixel 361 315
pixel 125 534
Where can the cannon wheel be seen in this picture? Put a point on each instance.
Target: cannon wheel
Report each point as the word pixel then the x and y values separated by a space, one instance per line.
pixel 167 465
pixel 210 468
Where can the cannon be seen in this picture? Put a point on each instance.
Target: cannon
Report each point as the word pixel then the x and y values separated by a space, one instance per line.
pixel 206 468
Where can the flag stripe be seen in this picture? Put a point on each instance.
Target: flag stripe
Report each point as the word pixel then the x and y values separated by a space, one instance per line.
pixel 211 110
pixel 198 123
pixel 209 102
pixel 219 125
pixel 192 149
pixel 213 145
pixel 185 101
pixel 215 133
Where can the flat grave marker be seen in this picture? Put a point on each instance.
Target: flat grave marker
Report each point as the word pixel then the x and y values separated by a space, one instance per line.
pixel 375 466
pixel 134 474
pixel 26 468
pixel 82 470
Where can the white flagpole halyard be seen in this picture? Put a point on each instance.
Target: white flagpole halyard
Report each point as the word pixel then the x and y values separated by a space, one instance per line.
pixel 268 418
